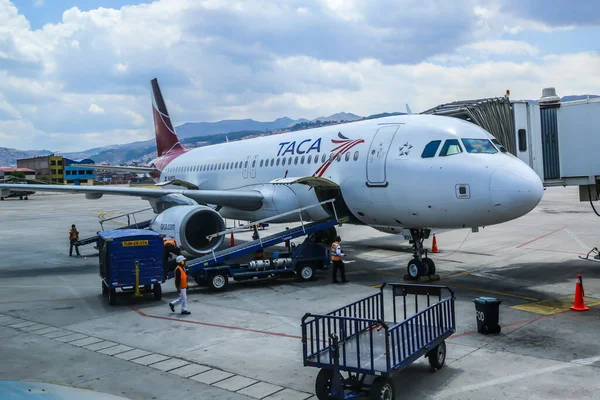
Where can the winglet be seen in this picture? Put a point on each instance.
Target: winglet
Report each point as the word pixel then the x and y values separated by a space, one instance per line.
pixel 408 110
pixel 166 138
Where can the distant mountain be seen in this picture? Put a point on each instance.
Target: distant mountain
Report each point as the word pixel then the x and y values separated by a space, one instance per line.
pixel 578 97
pixel 198 129
pixel 9 157
pixel 339 117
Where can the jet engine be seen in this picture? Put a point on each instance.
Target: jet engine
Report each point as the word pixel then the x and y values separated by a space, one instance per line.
pixel 190 225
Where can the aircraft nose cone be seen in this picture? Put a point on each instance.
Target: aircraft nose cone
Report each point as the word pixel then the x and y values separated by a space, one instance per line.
pixel 515 190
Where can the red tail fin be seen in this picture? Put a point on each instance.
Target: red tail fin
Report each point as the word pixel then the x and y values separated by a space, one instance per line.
pixel 166 138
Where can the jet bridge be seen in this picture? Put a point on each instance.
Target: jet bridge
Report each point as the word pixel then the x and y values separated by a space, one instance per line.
pixel 556 138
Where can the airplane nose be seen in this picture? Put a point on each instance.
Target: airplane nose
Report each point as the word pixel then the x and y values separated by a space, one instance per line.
pixel 515 190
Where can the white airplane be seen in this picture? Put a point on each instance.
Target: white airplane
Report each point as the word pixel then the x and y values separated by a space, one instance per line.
pixel 410 173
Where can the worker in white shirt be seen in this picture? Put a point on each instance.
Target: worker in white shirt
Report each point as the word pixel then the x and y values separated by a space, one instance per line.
pixel 336 258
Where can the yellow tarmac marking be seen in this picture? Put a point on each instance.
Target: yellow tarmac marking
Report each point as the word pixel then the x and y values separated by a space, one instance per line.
pixel 491 291
pixel 554 306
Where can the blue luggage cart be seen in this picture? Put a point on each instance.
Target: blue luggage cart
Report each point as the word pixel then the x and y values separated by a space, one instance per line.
pixel 131 259
pixel 359 340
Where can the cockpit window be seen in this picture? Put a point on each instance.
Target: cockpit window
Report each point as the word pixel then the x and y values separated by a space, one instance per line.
pixel 479 146
pixel 499 146
pixel 451 147
pixel 431 149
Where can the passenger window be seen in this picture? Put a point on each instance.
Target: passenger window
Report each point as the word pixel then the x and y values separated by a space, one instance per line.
pixel 278 162
pixel 479 146
pixel 272 161
pixel 253 163
pixel 450 148
pixel 522 140
pixel 323 158
pixel 355 155
pixel 347 156
pixel 302 160
pixel 283 161
pixel 331 157
pixel 339 157
pixel 290 161
pixel 246 164
pixel 261 163
pixel 309 159
pixel 296 160
pixel 431 148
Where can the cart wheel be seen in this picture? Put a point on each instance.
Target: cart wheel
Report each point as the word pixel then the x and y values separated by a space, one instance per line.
pixel 26 198
pixel 323 384
pixel 218 281
pixel 382 388
pixel 157 289
pixel 416 268
pixel 430 266
pixel 104 289
pixel 112 297
pixel 437 356
pixel 305 271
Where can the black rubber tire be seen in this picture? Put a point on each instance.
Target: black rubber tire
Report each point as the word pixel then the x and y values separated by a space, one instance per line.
pixel 437 356
pixel 218 281
pixel 26 198
pixel 305 272
pixel 382 388
pixel 430 266
pixel 112 297
pixel 20 197
pixel 104 289
pixel 323 384
pixel 157 290
pixel 415 268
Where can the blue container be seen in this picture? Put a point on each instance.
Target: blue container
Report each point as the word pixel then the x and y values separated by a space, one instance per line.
pixel 120 251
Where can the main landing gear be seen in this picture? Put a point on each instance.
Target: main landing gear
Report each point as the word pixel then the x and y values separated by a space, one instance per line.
pixel 420 265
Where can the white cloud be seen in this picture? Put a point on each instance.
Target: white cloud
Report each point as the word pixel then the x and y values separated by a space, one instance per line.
pixel 262 59
pixel 38 3
pixel 136 119
pixel 96 109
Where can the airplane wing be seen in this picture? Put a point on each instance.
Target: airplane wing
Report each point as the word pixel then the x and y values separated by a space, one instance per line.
pixel 138 170
pixel 242 199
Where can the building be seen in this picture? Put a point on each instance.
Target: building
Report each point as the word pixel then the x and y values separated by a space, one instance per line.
pixel 5 172
pixel 47 168
pixel 78 175
pixel 59 170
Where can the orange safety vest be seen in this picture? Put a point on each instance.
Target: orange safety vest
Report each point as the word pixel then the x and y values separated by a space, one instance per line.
pixel 73 234
pixel 183 284
pixel 335 257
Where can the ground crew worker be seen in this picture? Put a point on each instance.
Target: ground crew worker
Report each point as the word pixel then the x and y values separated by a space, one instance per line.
pixel 170 248
pixel 73 238
pixel 181 285
pixel 336 258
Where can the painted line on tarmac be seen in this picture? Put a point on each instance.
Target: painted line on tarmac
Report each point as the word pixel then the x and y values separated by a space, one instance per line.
pixel 237 328
pixel 541 237
pixel 43 301
pixel 555 251
pixel 512 378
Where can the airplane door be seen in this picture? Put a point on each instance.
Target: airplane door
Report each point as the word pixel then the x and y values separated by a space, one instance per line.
pixel 253 166
pixel 377 157
pixel 246 166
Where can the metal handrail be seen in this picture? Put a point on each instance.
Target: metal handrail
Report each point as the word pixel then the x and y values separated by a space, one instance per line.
pixel 122 215
pixel 298 210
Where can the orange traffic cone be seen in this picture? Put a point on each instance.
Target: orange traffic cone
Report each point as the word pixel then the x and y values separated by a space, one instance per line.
pixel 434 248
pixel 231 240
pixel 578 304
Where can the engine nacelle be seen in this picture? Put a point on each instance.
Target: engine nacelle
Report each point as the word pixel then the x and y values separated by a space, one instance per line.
pixel 190 225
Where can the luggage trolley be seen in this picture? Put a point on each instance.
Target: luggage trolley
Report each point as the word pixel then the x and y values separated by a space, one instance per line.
pixel 359 340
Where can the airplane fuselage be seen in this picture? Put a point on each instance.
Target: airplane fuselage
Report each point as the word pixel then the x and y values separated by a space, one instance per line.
pixel 386 178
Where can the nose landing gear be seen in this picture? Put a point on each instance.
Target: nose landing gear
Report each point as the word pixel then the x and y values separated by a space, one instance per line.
pixel 420 265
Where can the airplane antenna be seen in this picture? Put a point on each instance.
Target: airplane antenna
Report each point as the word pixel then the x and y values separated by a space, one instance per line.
pixel 408 110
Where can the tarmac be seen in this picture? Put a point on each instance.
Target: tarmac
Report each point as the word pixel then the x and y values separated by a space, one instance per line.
pixel 55 325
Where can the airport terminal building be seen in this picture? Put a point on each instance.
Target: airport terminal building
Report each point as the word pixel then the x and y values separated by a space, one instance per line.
pixel 59 170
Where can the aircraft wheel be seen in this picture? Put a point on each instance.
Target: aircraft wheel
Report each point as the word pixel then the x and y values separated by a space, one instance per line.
pixel 416 268
pixel 430 266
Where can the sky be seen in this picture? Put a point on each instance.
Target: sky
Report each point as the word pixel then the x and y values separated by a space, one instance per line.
pixel 76 74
